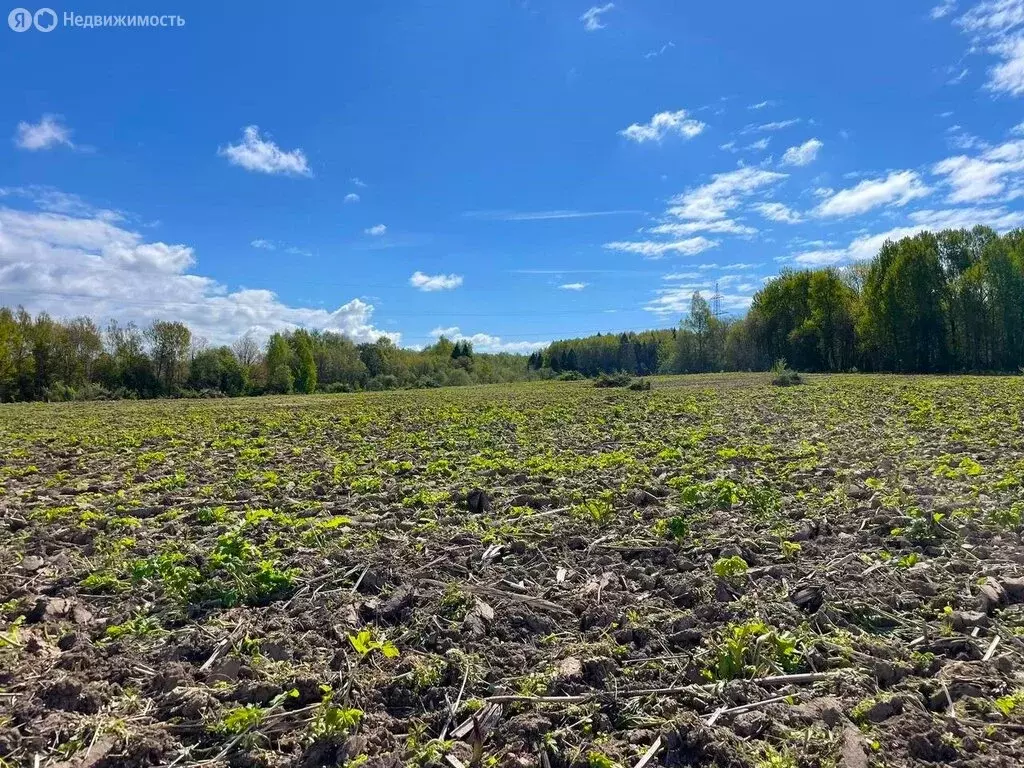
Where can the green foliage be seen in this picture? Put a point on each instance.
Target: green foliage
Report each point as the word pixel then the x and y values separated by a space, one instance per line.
pixel 677 527
pixel 600 510
pixel 1008 705
pixel 249 717
pixel 730 568
pixel 304 366
pixel 610 380
pixel 331 722
pixel 790 549
pixel 752 649
pixel 597 759
pixel 240 719
pixel 137 626
pixel 365 642
pixel 234 572
pixel 783 376
pixel 776 757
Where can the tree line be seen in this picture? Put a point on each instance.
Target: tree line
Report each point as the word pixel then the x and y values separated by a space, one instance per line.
pixel 951 301
pixel 46 359
pixel 944 302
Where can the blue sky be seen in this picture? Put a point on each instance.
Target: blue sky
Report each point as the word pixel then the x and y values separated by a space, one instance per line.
pixel 510 172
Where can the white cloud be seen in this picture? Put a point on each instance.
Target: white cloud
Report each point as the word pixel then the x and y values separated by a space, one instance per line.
pixel 71 265
pixel 943 9
pixel 663 124
pixel 994 26
pixel 485 342
pixel 999 219
pixel 656 250
pixel 53 200
pixel 718 226
pixel 993 17
pixel 352 197
pixel 591 18
pixel 265 245
pixel 573 286
pixel 762 104
pixel 676 299
pixel 778 125
pixel 47 133
pixel 820 258
pixel 722 194
pixel 1008 76
pixel 899 188
pixel 756 146
pixel 659 51
pixel 977 178
pixel 255 153
pixel 804 154
pixel 778 212
pixel 376 230
pixel 958 78
pixel 357 181
pixel 434 282
pixel 682 276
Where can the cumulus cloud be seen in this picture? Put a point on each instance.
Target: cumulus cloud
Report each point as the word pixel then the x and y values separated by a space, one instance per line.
pixel 650 249
pixel 573 286
pixel 376 230
pixel 803 154
pixel 724 193
pixel 255 153
pixel 352 197
pixel 591 18
pixel 943 9
pixel 899 188
pixel 778 212
pixel 49 132
pixel 265 245
pixel 429 283
pixel 988 175
pixel 703 209
pixel 485 342
pixel 664 124
pixel 81 264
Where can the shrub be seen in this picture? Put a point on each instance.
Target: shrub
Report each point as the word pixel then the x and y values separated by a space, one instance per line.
pixel 60 392
pixel 783 376
pixel 613 380
pixel 641 385
pixel 571 376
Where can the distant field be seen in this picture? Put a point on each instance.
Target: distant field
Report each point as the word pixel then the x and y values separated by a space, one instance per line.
pixel 313 581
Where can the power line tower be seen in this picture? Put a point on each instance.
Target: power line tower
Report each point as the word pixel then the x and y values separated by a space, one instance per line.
pixel 716 302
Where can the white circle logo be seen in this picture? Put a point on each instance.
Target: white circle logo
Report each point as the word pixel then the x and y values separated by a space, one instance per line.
pixel 45 20
pixel 20 19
